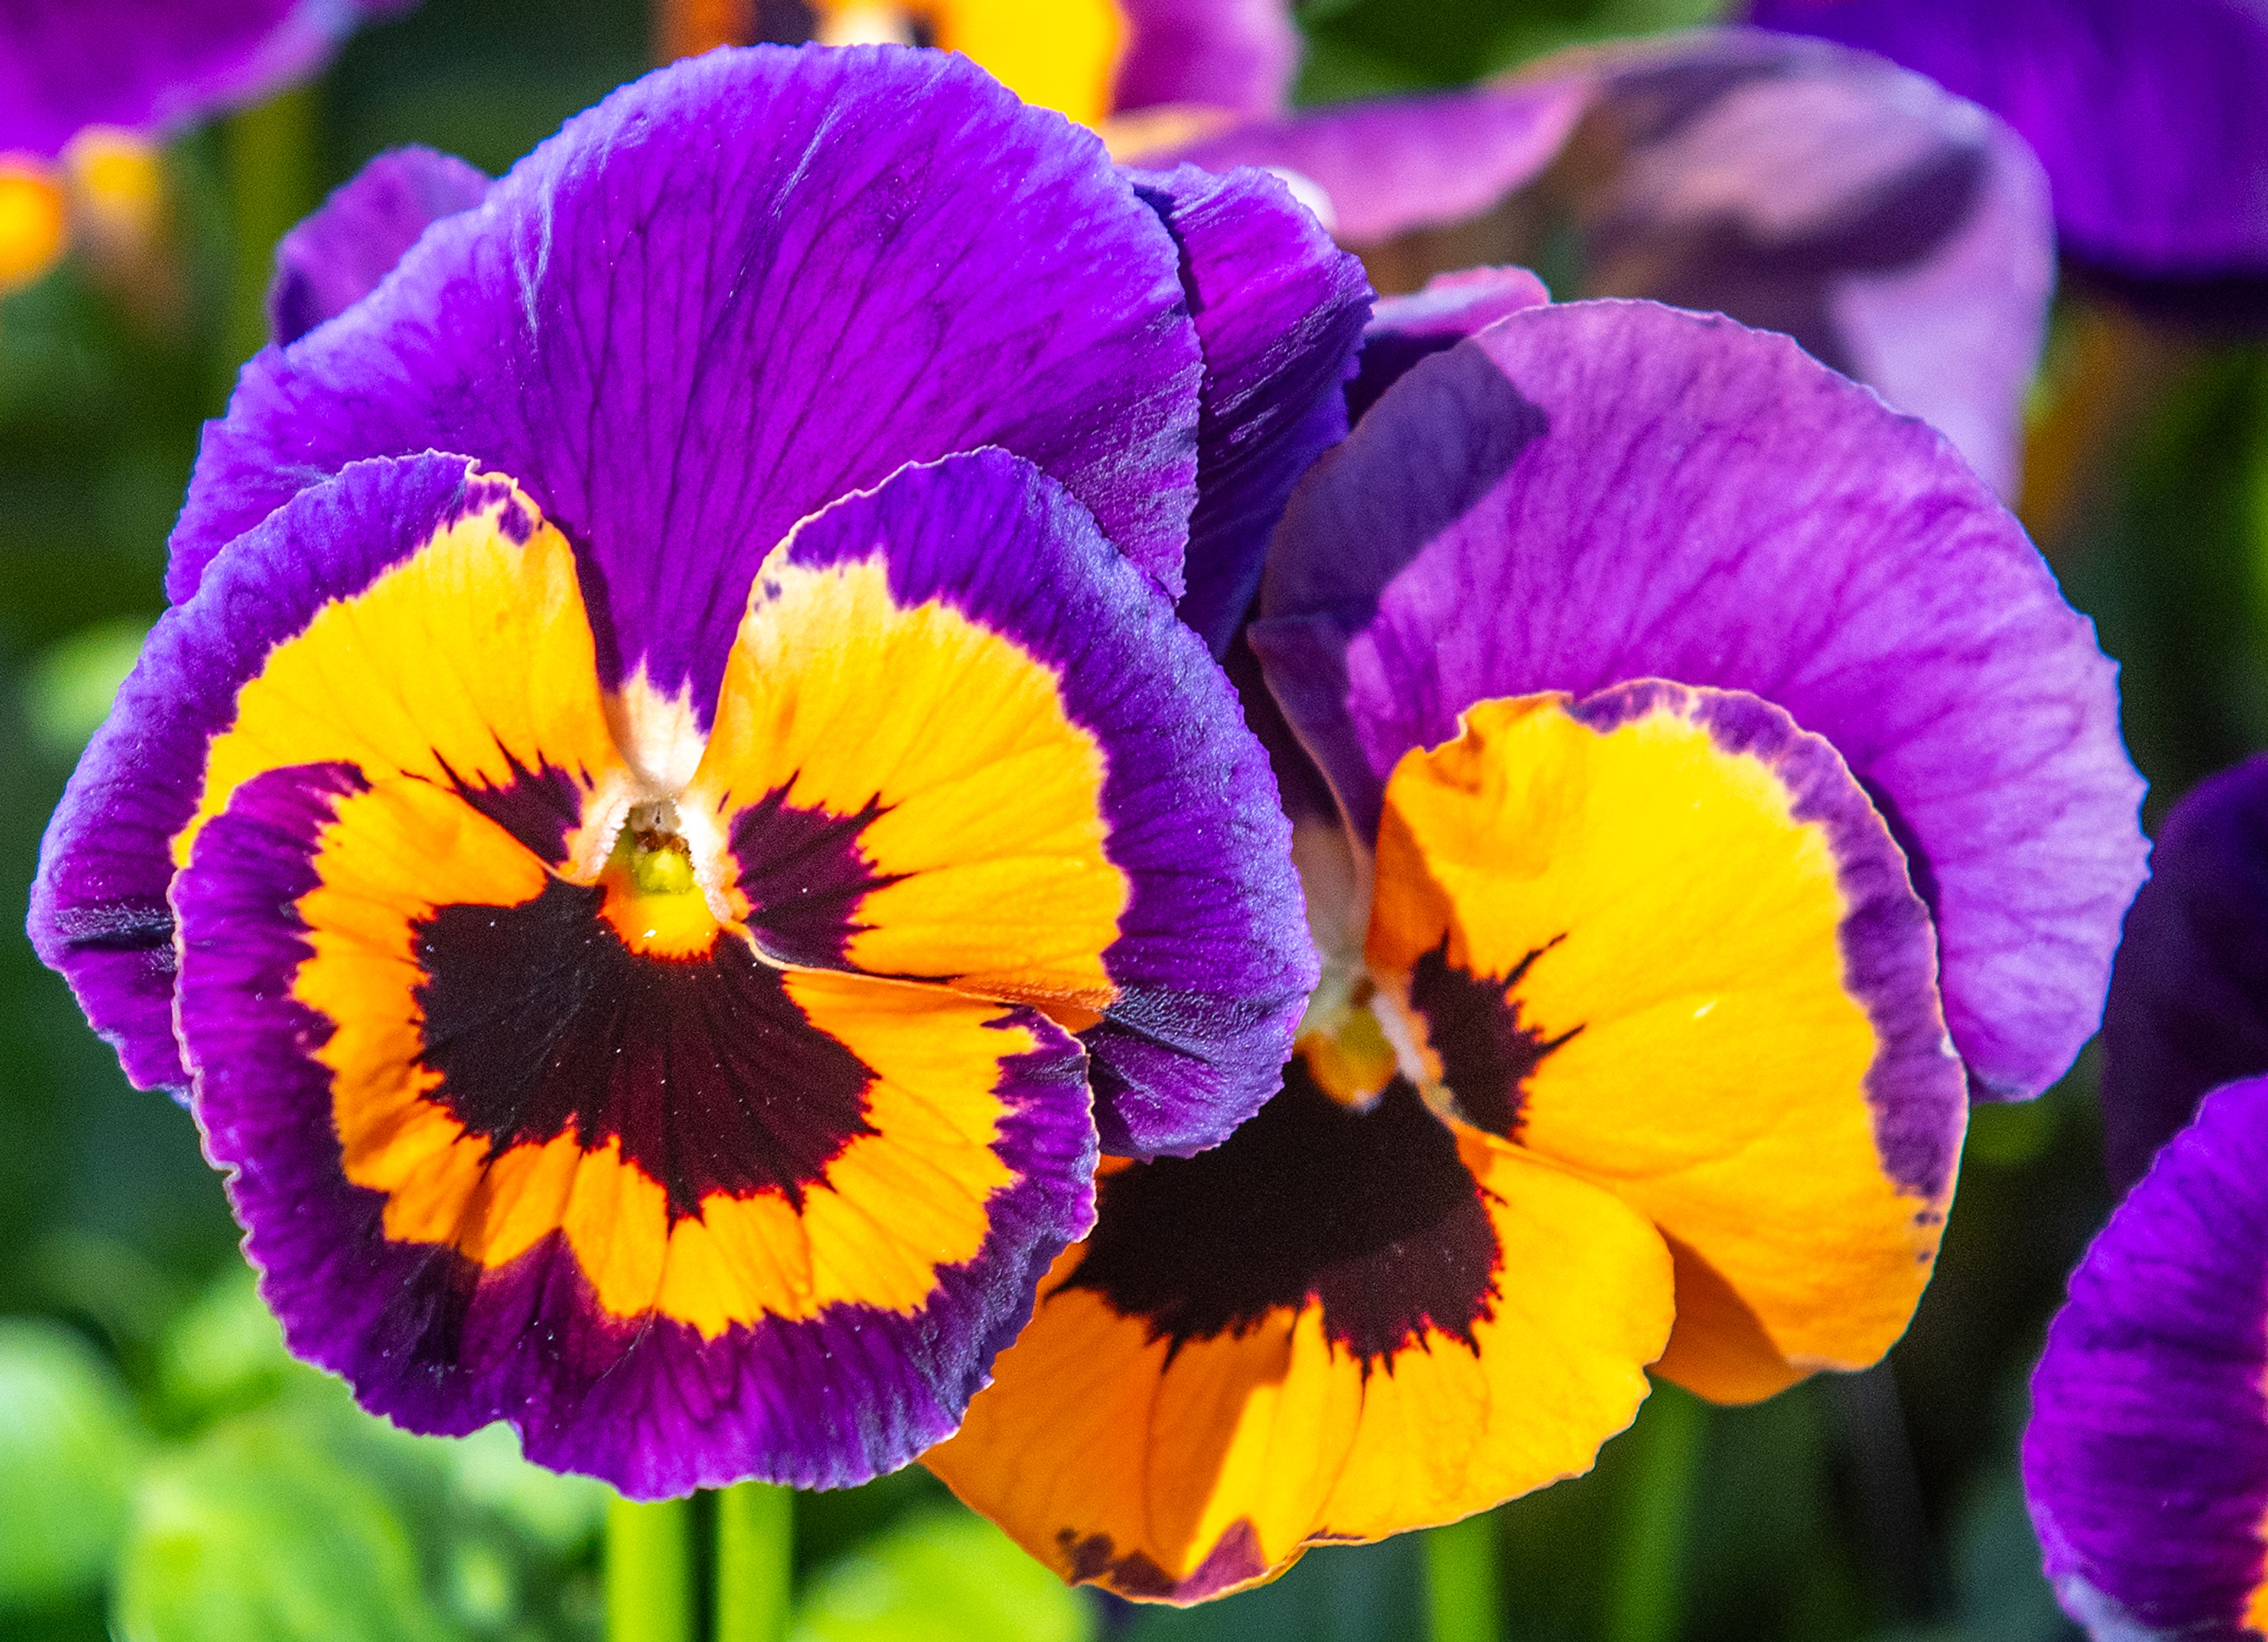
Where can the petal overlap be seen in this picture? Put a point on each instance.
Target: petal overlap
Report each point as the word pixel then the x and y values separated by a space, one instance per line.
pixel 336 257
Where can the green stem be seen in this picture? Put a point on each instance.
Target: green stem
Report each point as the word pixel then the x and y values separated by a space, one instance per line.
pixel 650 1572
pixel 1645 1595
pixel 269 154
pixel 756 1546
pixel 1462 1584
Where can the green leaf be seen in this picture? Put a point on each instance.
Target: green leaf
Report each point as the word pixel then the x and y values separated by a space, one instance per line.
pixel 223 1353
pixel 255 1534
pixel 941 1577
pixel 69 1448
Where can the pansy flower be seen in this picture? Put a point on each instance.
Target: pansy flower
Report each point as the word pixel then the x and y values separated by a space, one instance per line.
pixel 2146 1462
pixel 2146 114
pixel 68 68
pixel 674 808
pixel 1718 787
pixel 1900 234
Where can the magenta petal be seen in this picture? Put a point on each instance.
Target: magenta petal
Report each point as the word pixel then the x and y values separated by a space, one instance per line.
pixel 2189 996
pixel 1605 492
pixel 336 257
pixel 2147 1460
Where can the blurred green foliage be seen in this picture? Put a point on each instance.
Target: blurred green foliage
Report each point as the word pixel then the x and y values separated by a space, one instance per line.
pixel 168 1474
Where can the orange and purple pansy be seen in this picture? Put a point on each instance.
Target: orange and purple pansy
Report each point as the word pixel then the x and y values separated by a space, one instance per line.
pixel 1710 789
pixel 674 810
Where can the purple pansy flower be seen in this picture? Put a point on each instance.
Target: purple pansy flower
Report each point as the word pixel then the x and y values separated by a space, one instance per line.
pixel 1714 787
pixel 2147 115
pixel 2147 1459
pixel 2189 995
pixel 1899 234
pixel 674 808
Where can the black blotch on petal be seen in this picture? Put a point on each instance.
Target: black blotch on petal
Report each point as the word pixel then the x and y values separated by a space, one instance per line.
pixel 1486 1051
pixel 1370 1214
pixel 541 1022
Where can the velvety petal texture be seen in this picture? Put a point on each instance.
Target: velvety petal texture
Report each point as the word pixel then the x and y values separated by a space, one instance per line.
pixel 2189 994
pixel 1279 312
pixel 1900 234
pixel 1637 965
pixel 1588 494
pixel 2148 114
pixel 336 257
pixel 1238 55
pixel 686 281
pixel 2147 1459
pixel 149 65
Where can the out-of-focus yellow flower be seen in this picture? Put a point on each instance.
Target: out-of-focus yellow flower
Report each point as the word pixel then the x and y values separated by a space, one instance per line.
pixel 1057 53
pixel 31 223
pixel 116 184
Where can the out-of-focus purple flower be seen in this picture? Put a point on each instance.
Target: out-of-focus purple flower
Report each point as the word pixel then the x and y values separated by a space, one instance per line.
pixel 1901 234
pixel 1708 755
pixel 2147 1459
pixel 2148 115
pixel 677 806
pixel 2189 995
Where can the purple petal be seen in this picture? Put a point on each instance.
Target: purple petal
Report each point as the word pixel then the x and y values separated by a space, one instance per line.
pixel 2147 1459
pixel 1400 164
pixel 2189 995
pixel 1279 312
pixel 738 289
pixel 1222 54
pixel 2148 114
pixel 1451 306
pixel 98 911
pixel 150 66
pixel 336 257
pixel 1585 494
pixel 1211 963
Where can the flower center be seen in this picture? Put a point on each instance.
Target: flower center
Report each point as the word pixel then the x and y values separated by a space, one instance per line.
pixel 653 898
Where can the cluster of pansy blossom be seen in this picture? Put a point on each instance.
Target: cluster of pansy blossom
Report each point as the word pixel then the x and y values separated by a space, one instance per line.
pixel 2147 1458
pixel 686 843
pixel 82 86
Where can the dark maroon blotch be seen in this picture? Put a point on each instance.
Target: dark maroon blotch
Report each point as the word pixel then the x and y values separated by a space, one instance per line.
pixel 1486 1051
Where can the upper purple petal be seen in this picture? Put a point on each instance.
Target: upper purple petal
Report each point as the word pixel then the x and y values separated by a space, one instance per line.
pixel 738 289
pixel 152 64
pixel 336 257
pixel 2148 114
pixel 1279 312
pixel 1223 54
pixel 2189 995
pixel 2147 1459
pixel 1612 490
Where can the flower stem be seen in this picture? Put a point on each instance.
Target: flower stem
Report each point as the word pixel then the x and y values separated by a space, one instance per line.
pixel 756 1545
pixel 650 1572
pixel 1645 1595
pixel 269 155
pixel 1461 1583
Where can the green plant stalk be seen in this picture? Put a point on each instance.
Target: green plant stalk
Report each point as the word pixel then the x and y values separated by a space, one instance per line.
pixel 1462 1587
pixel 1646 1595
pixel 650 1572
pixel 269 154
pixel 756 1549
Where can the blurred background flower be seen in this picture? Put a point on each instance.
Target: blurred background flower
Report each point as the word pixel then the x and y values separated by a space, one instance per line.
pixel 168 1473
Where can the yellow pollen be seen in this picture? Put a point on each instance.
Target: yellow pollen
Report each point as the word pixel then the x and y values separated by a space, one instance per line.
pixel 1347 1050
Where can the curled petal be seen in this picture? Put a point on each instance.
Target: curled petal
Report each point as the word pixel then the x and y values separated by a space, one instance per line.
pixel 1590 494
pixel 336 257
pixel 2147 1459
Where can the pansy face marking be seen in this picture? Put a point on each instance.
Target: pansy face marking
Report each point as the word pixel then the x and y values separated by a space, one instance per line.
pixel 1647 1005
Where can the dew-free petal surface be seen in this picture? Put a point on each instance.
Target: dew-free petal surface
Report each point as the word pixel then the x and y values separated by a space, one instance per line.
pixel 682 1218
pixel 2147 1459
pixel 1238 55
pixel 1660 939
pixel 1451 306
pixel 1034 785
pixel 1589 494
pixel 369 621
pixel 152 64
pixel 738 289
pixel 1337 1326
pixel 2146 114
pixel 2189 994
pixel 1279 312
pixel 336 258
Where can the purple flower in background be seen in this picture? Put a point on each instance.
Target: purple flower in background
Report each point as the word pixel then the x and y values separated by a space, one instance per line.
pixel 674 809
pixel 2147 1459
pixel 1901 234
pixel 2148 114
pixel 2189 995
